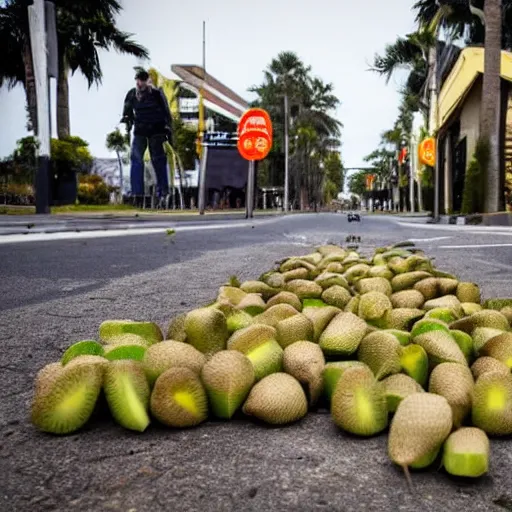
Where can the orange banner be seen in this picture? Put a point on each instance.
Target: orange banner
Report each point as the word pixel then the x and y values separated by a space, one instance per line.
pixel 402 156
pixel 427 151
pixel 370 178
pixel 255 134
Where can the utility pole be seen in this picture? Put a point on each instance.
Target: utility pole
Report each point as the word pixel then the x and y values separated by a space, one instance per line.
pixel 201 200
pixel 38 43
pixel 286 150
pixel 411 175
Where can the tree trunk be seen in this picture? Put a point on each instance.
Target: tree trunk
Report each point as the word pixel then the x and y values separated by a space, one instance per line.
pixel 121 181
pixel 180 186
pixel 63 123
pixel 491 103
pixel 30 88
pixel 179 167
pixel 432 102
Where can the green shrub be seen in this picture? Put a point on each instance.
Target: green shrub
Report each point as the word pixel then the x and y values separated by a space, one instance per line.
pixel 92 190
pixel 71 154
pixel 475 186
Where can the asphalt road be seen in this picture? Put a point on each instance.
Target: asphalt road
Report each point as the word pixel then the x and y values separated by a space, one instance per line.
pixel 58 291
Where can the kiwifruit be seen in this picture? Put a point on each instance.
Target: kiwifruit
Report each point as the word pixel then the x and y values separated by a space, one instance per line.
pixel 358 403
pixel 148 330
pixel 499 347
pixel 65 396
pixel 333 371
pixel 296 328
pixel 179 399
pixel 465 342
pixel 258 342
pixel 397 387
pixel 343 335
pixel 82 348
pixel 381 352
pixel 206 330
pixel 118 352
pixel 466 453
pixel 252 303
pixel 454 381
pixel 492 403
pixel 305 361
pixel 336 296
pixel 277 399
pixel 259 287
pixel 285 298
pixel 176 329
pixel 421 424
pixel 488 364
pixel 414 362
pixel 169 354
pixel 227 377
pixel 127 393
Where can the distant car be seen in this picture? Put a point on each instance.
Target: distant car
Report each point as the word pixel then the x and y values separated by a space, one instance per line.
pixel 353 217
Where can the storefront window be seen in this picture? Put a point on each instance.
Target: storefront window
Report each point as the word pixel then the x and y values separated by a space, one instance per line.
pixel 508 154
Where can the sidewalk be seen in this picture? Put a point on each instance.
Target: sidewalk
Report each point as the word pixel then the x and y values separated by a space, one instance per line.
pixel 500 220
pixel 120 220
pixel 125 220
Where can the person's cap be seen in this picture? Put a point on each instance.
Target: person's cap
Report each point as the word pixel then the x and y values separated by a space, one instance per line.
pixel 141 75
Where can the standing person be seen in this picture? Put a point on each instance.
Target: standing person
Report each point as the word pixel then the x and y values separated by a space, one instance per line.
pixel 146 109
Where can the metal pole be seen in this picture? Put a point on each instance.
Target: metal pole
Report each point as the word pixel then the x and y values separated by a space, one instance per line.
pixel 202 181
pixel 411 176
pixel 204 46
pixel 436 183
pixel 286 149
pixel 249 196
pixel 37 26
pixel 390 203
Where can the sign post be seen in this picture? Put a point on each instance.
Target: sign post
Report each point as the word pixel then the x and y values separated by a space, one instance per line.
pixel 254 143
pixel 249 200
pixel 201 203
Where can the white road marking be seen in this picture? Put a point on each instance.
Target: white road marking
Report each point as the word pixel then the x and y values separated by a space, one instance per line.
pixel 495 264
pixel 487 230
pixel 475 246
pixel 429 239
pixel 82 235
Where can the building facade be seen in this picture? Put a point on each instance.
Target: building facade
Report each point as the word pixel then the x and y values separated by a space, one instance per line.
pixel 459 116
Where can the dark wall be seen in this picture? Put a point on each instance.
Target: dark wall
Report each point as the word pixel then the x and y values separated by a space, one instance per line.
pixel 225 168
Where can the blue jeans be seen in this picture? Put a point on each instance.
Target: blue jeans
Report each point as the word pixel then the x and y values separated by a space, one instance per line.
pixel 158 159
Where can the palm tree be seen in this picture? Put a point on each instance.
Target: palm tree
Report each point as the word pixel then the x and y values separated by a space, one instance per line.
pixel 119 143
pixel 82 29
pixel 81 33
pixel 461 20
pixel 290 93
pixel 16 64
pixel 490 120
pixel 410 52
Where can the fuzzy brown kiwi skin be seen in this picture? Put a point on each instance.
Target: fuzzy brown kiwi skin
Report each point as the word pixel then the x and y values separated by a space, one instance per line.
pixel 47 396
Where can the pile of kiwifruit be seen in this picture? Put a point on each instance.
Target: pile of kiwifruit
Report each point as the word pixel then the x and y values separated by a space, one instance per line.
pixel 387 340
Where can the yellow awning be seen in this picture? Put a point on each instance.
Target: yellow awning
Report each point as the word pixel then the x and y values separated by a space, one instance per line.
pixel 468 67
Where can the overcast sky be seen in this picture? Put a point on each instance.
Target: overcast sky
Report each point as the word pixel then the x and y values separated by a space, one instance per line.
pixel 337 38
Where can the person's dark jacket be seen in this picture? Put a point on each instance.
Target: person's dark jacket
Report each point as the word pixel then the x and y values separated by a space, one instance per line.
pixel 150 115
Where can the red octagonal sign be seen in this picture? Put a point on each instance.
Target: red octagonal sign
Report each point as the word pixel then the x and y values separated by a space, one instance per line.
pixel 255 134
